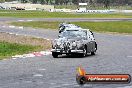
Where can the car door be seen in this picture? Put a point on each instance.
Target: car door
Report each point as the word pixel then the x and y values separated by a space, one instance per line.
pixel 89 45
pixel 92 41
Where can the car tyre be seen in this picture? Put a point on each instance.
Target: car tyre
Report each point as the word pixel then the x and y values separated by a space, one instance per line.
pixel 84 52
pixel 54 54
pixel 92 53
pixel 95 46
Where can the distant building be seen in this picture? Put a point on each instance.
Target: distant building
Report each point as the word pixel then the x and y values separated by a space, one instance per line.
pixel 25 6
pixel 82 7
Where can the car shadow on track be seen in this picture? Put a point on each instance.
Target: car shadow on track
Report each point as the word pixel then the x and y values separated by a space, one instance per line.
pixel 75 56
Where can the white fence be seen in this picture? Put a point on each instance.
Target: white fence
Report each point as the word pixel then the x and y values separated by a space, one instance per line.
pixel 91 11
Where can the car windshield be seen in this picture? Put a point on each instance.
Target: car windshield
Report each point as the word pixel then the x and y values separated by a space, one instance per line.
pixel 73 34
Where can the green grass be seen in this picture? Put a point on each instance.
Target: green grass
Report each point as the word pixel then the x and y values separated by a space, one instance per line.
pixel 119 26
pixel 10 49
pixel 42 14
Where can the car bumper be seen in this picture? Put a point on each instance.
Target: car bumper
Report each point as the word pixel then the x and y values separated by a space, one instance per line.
pixel 68 51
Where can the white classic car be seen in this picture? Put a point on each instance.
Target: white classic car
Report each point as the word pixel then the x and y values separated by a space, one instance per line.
pixel 74 41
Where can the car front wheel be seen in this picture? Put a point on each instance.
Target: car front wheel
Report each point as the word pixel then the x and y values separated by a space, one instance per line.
pixel 84 52
pixel 92 53
pixel 54 54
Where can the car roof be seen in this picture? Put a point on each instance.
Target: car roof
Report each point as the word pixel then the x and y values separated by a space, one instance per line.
pixel 72 27
pixel 69 25
pixel 76 29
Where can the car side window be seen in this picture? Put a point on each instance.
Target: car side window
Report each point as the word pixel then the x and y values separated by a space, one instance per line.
pixel 90 36
pixel 92 33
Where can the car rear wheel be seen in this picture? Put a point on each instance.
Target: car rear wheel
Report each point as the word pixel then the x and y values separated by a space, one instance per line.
pixel 54 54
pixel 92 53
pixel 95 46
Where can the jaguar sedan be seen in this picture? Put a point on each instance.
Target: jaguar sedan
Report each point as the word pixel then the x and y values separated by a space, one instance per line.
pixel 74 41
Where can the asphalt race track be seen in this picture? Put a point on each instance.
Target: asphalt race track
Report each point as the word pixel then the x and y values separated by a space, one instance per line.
pixel 4 19
pixel 114 55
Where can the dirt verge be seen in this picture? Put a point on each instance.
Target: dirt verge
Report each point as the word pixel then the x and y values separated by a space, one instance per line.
pixel 25 40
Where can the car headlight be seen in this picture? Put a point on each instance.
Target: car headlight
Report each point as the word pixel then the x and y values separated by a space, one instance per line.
pixel 79 44
pixel 74 44
pixel 54 43
pixel 58 43
pixel 61 46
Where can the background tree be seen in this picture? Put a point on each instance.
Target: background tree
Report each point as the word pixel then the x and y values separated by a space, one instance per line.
pixel 2 1
pixel 75 2
pixel 34 1
pixel 42 1
pixel 106 3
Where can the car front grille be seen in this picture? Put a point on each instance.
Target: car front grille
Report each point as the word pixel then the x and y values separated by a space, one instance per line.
pixel 66 46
